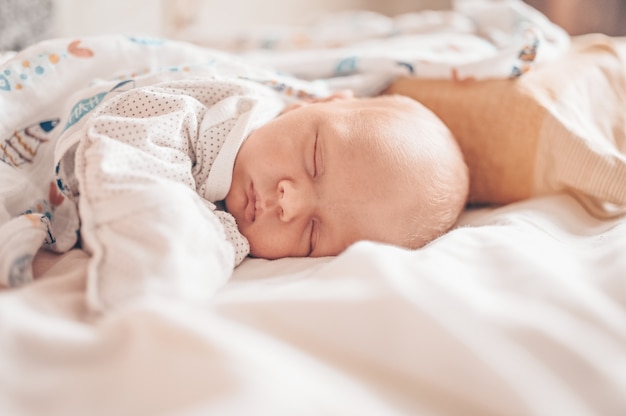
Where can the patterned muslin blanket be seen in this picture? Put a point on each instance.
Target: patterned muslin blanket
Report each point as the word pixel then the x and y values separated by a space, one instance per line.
pixel 53 86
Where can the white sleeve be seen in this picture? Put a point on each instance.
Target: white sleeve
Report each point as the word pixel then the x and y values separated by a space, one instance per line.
pixel 146 227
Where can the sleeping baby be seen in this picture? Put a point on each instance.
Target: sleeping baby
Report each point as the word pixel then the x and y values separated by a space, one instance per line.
pixel 324 175
pixel 186 177
pixel 309 182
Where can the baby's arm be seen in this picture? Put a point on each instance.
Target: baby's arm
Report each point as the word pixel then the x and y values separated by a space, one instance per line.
pixel 148 229
pixel 558 128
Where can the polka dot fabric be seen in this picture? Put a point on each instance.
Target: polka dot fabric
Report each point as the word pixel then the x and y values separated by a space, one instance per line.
pixel 172 131
pixel 151 163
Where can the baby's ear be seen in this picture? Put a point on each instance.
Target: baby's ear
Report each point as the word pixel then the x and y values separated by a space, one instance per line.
pixel 335 96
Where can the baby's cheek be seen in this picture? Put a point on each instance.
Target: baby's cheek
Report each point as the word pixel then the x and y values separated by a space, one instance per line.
pixel 269 243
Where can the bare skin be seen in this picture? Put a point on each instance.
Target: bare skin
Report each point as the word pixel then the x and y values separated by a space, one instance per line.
pixel 322 176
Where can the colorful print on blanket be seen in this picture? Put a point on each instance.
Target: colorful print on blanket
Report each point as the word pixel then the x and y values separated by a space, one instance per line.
pixel 34 212
pixel 22 146
pixel 29 69
pixel 364 50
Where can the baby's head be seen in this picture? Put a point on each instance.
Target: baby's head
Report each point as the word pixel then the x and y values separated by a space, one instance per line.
pixel 324 175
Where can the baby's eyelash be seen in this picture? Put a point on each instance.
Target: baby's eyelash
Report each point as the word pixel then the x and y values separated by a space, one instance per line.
pixel 315 157
pixel 311 238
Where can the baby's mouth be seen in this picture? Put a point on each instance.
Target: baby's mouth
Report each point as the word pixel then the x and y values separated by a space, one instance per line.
pixel 250 212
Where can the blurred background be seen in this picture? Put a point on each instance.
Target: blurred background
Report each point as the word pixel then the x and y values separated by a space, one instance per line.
pixel 23 22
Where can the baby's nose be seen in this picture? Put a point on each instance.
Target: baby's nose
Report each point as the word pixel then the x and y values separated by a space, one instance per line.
pixel 294 200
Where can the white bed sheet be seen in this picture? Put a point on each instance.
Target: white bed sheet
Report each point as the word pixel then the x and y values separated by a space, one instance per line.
pixel 521 310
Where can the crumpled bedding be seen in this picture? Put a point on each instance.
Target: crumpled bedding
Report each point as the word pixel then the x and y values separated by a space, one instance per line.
pixel 518 311
pixel 365 51
pixel 127 211
pixel 52 88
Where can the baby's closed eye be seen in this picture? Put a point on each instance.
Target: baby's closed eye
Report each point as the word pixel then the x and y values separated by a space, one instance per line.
pixel 313 236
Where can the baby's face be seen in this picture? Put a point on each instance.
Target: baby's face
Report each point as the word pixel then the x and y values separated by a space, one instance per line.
pixel 311 182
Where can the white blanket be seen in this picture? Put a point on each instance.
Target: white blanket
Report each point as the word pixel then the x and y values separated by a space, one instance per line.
pixel 364 51
pixel 520 311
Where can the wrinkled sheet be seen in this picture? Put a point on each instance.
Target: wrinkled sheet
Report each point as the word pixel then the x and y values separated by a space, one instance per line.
pixel 521 310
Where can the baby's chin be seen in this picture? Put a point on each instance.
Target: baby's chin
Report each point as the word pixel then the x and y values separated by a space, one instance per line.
pixel 267 254
pixel 260 249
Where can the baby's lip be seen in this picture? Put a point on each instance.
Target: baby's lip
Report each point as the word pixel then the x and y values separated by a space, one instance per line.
pixel 250 212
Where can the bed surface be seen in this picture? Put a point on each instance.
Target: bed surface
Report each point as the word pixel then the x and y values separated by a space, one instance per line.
pixel 518 311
